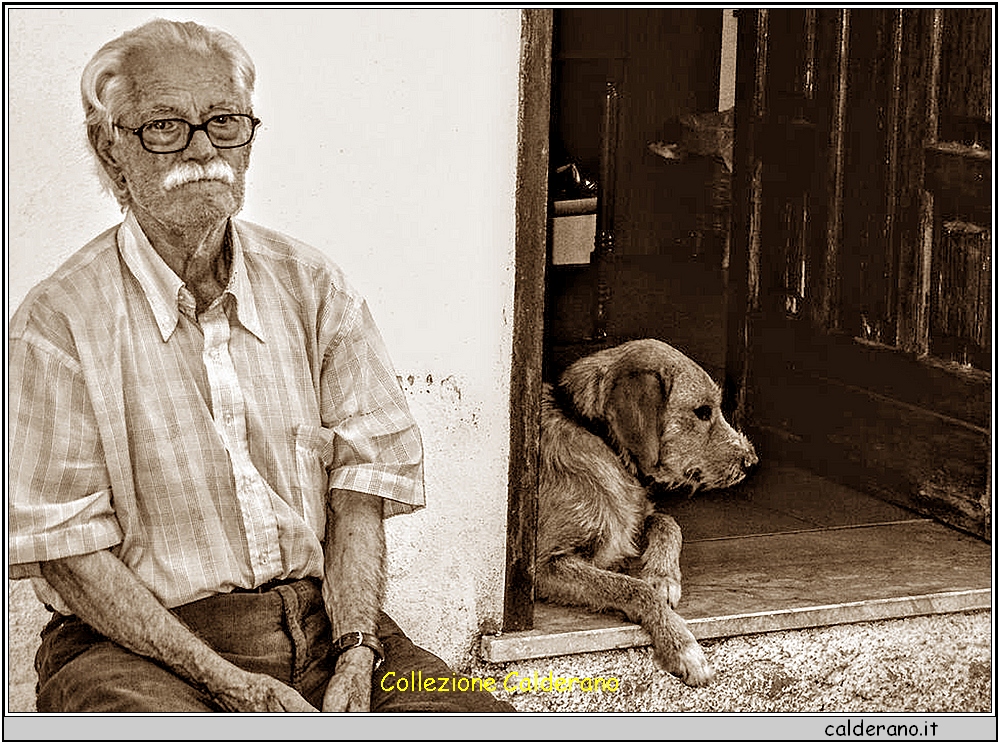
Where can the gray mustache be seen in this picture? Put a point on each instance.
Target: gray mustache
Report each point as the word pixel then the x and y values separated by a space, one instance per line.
pixel 215 170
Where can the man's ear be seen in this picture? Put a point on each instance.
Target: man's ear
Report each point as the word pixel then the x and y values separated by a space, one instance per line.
pixel 103 144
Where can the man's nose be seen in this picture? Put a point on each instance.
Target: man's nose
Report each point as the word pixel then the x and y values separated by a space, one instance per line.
pixel 200 147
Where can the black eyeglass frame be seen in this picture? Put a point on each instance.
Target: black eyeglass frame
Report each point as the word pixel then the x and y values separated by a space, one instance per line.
pixel 192 128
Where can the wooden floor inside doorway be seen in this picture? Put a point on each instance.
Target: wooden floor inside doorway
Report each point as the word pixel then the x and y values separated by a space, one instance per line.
pixel 786 549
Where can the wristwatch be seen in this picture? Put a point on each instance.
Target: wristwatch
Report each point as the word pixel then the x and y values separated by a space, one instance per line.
pixel 357 638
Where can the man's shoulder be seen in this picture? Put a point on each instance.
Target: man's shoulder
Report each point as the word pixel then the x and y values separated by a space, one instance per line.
pixel 280 249
pixel 280 246
pixel 84 279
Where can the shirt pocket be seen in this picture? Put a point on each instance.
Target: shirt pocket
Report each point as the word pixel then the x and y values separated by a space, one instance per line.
pixel 313 457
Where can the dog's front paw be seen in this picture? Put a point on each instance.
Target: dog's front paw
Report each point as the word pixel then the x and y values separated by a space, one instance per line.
pixel 668 586
pixel 661 558
pixel 688 663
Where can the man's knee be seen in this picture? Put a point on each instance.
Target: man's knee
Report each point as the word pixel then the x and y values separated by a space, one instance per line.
pixel 109 679
pixel 413 679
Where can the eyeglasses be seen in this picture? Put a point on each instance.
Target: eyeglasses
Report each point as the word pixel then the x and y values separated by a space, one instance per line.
pixel 225 131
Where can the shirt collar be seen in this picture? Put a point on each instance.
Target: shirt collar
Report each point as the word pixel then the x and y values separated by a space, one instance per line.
pixel 162 287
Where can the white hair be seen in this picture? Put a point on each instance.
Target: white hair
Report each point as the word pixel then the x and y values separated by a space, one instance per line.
pixel 105 86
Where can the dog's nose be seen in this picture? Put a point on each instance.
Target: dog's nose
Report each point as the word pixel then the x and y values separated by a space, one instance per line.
pixel 750 460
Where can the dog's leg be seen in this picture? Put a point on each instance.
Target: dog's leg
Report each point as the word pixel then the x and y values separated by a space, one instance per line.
pixel 661 565
pixel 569 579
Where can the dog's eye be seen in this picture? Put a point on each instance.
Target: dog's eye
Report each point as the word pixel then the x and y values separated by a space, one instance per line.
pixel 703 412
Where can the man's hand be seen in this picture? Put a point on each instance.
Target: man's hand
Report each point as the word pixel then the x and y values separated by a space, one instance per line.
pixel 350 687
pixel 259 693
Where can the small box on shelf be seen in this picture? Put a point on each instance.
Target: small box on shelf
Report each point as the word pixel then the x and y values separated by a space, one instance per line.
pixel 574 225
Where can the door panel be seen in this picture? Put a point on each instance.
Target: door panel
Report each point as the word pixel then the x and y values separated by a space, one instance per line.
pixel 860 314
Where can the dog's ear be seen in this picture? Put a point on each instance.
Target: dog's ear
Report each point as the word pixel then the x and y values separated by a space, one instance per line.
pixel 633 413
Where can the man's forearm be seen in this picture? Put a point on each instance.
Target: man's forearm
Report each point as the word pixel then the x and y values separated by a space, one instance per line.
pixel 353 590
pixel 354 585
pixel 104 593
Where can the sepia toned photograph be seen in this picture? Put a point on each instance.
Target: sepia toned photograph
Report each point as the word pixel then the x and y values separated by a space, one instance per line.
pixel 483 362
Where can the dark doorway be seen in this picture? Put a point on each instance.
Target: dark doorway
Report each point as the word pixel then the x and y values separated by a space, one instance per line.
pixel 667 218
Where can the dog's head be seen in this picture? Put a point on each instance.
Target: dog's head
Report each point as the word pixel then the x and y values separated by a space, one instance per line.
pixel 662 413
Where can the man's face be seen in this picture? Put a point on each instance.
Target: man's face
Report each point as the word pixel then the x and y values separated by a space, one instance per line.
pixel 173 83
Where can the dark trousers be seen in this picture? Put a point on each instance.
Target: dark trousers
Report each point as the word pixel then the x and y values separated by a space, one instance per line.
pixel 283 632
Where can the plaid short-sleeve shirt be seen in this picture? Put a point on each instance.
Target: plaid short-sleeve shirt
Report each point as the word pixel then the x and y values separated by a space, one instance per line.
pixel 199 448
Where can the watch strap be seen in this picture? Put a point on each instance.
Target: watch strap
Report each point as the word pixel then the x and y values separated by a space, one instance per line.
pixel 356 638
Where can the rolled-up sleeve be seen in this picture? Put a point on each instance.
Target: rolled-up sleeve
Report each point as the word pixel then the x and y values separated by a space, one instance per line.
pixel 377 445
pixel 59 495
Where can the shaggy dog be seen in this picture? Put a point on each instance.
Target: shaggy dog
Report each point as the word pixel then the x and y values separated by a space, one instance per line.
pixel 618 422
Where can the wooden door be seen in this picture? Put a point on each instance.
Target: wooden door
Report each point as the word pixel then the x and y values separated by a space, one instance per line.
pixel 859 315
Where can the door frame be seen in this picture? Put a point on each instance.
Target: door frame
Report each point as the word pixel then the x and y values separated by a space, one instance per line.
pixel 530 248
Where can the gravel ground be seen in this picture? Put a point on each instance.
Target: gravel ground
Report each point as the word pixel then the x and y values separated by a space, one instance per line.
pixel 929 664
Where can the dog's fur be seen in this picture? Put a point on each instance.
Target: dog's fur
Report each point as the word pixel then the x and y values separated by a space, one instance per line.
pixel 620 420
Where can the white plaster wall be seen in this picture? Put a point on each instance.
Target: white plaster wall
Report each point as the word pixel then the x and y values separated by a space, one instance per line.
pixel 389 141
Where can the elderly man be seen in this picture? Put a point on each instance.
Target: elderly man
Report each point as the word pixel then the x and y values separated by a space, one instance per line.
pixel 206 430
